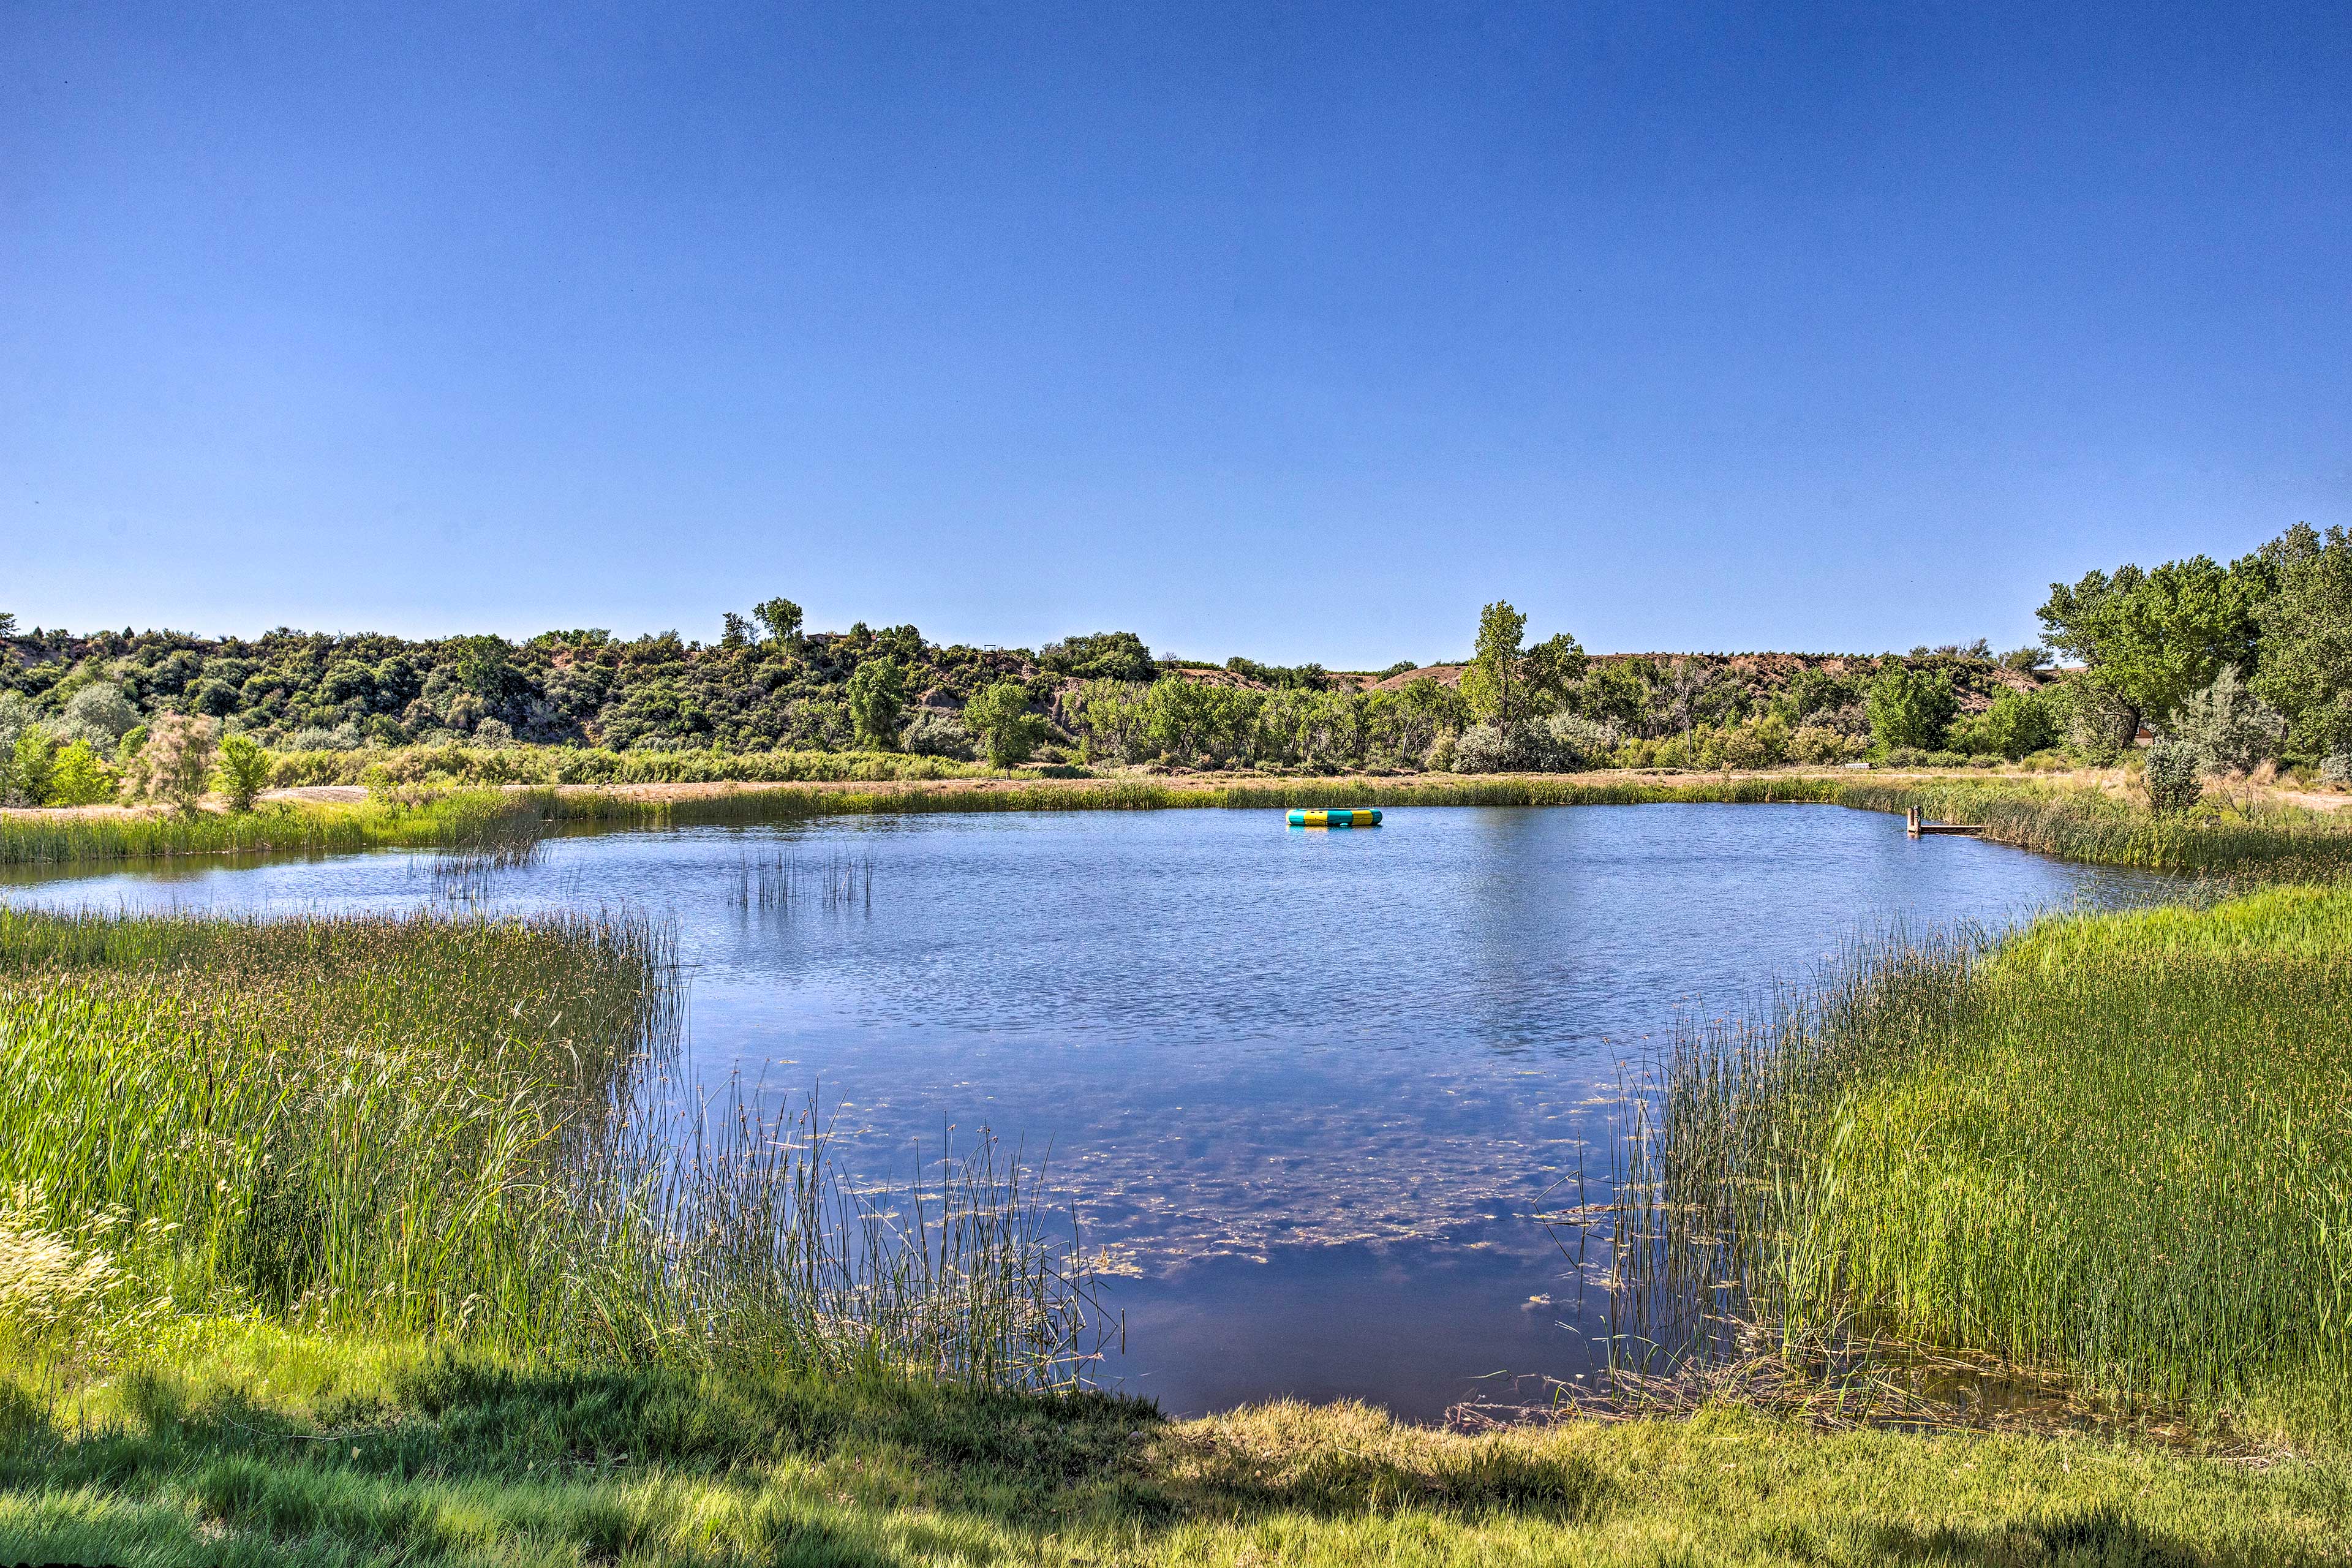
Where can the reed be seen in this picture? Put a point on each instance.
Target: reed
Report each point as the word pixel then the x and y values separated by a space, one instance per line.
pixel 2113 1146
pixel 466 1131
pixel 425 819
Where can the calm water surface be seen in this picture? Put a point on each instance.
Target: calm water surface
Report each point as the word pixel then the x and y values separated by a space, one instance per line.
pixel 1306 1086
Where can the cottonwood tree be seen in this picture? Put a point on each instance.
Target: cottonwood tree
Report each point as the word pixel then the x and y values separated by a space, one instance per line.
pixel 1505 684
pixel 2149 638
pixel 877 696
pixel 2307 647
pixel 781 618
pixel 999 715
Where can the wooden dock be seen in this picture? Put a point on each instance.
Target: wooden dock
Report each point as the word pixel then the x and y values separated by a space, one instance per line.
pixel 1915 826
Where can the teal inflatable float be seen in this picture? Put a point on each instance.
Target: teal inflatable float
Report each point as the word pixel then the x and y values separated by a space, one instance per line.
pixel 1357 817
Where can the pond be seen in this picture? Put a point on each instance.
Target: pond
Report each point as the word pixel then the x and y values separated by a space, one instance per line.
pixel 1305 1087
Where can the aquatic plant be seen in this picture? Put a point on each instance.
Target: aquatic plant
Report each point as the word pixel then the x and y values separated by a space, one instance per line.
pixel 466 1130
pixel 2115 1145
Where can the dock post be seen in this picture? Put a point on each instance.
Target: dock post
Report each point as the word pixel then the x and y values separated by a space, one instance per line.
pixel 1911 821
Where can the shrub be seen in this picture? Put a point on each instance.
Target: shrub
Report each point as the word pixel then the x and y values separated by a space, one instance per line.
pixel 1564 742
pixel 177 760
pixel 1439 758
pixel 80 777
pixel 2335 768
pixel 1948 760
pixel 243 771
pixel 2231 728
pixel 1819 745
pixel 2172 776
pixel 1484 749
pixel 1904 757
pixel 931 734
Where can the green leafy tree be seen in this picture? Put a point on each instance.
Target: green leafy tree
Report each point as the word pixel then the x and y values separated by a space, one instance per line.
pixel 1551 669
pixel 80 777
pixel 1491 685
pixel 1910 706
pixel 243 770
pixel 2150 638
pixel 2019 724
pixel 1000 718
pixel 781 618
pixel 7 625
pixel 33 760
pixel 2307 646
pixel 878 698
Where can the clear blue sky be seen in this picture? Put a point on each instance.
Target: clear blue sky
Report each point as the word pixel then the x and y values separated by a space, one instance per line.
pixel 1292 331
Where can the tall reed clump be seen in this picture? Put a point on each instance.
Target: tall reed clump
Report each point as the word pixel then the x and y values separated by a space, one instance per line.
pixel 2118 1145
pixel 462 1131
pixel 423 819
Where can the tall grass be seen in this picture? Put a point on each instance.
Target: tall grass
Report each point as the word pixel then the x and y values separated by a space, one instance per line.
pixel 2119 1145
pixel 431 820
pixel 463 1131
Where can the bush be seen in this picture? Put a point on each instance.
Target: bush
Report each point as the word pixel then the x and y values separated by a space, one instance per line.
pixel 80 777
pixel 2172 777
pixel 177 761
pixel 1819 745
pixel 1563 742
pixel 1484 749
pixel 243 771
pixel 1948 760
pixel 2230 727
pixel 931 734
pixel 2335 768
pixel 1906 757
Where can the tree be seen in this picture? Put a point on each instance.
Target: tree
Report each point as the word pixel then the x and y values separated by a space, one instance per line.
pixel 877 696
pixel 8 627
pixel 1491 684
pixel 1910 706
pixel 999 716
pixel 734 630
pixel 783 619
pixel 177 761
pixel 1550 668
pixel 2150 638
pixel 243 771
pixel 2306 665
pixel 2019 723
pixel 80 777
pixel 32 761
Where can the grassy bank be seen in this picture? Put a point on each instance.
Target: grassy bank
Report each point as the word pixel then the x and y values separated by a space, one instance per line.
pixel 2116 1146
pixel 247 1445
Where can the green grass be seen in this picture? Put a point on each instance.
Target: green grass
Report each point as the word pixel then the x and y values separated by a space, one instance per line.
pixel 425 820
pixel 459 1131
pixel 241 1444
pixel 2116 1145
